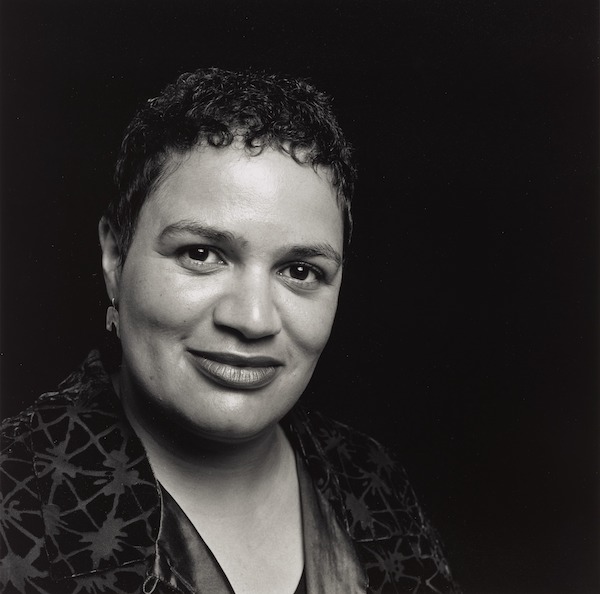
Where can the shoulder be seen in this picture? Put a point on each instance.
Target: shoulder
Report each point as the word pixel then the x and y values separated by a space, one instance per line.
pixel 21 524
pixel 371 493
pixel 73 394
pixel 18 433
pixel 28 438
pixel 63 461
pixel 352 452
pixel 350 465
pixel 349 445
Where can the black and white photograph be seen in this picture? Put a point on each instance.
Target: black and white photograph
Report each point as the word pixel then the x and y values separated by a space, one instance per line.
pixel 299 298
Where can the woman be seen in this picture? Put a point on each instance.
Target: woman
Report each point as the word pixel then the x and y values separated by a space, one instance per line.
pixel 190 466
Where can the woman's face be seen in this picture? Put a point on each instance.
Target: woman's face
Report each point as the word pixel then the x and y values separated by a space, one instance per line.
pixel 229 290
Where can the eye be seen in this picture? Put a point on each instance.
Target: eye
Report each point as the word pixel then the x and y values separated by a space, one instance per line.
pixel 200 257
pixel 199 253
pixel 302 274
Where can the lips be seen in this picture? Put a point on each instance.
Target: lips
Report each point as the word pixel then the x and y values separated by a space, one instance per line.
pixel 235 371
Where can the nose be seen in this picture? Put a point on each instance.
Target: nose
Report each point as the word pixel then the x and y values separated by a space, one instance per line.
pixel 248 307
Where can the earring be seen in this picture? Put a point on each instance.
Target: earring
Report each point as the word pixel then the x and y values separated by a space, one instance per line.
pixel 112 316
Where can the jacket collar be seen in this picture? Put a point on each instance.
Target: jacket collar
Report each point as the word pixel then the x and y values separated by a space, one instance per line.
pixel 363 483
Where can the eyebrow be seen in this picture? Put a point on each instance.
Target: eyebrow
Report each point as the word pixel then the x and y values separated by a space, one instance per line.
pixel 195 228
pixel 313 250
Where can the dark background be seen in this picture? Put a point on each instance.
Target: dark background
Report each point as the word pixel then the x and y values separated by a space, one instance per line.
pixel 467 333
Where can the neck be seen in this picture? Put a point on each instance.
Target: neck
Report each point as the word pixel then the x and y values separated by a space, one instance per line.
pixel 188 463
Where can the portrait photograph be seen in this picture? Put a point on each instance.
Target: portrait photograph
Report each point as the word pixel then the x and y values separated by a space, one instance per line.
pixel 299 298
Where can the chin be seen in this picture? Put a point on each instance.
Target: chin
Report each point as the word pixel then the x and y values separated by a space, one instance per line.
pixel 234 423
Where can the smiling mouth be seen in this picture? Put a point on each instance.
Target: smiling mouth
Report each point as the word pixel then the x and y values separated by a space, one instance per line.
pixel 236 372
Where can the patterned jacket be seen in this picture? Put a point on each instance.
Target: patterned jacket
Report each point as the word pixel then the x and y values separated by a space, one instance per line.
pixel 81 507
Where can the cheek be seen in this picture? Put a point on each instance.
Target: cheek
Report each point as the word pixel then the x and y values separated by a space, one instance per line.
pixel 153 302
pixel 310 326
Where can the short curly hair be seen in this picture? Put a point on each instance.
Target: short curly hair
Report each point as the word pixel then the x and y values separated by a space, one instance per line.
pixel 215 107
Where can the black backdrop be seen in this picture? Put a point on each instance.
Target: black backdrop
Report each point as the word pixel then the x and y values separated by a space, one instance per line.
pixel 466 335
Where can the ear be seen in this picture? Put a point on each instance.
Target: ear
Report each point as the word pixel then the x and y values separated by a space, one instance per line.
pixel 111 258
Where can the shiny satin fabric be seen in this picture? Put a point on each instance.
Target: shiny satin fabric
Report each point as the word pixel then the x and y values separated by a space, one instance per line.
pixel 185 562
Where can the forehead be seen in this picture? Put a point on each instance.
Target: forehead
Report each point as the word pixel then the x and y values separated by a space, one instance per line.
pixel 228 187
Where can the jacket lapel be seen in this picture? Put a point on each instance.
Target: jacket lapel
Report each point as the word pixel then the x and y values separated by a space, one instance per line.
pixel 99 498
pixel 354 473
